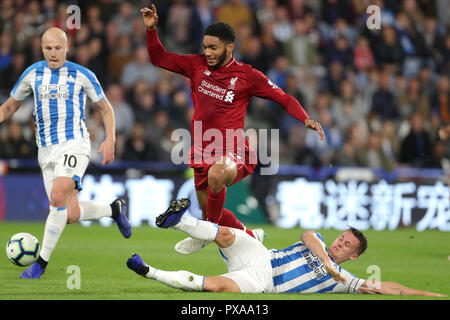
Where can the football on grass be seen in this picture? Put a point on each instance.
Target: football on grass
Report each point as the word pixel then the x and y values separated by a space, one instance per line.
pixel 22 249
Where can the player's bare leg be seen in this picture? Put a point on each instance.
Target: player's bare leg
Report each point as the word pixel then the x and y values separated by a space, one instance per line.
pixel 56 222
pixel 73 208
pixel 222 174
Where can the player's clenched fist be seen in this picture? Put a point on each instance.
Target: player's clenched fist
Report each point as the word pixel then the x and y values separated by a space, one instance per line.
pixel 150 17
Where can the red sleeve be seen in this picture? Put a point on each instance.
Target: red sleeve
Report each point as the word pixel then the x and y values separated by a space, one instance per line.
pixel 182 64
pixel 264 88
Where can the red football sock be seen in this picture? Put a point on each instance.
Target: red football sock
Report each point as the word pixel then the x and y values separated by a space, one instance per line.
pixel 216 213
pixel 229 219
pixel 214 205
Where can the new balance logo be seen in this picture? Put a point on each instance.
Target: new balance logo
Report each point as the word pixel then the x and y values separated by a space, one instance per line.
pixel 207 72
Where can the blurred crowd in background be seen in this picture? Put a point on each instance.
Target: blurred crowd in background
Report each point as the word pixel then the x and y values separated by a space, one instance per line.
pixel 380 94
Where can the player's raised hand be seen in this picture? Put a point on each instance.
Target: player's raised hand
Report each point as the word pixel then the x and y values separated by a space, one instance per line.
pixel 314 125
pixel 107 148
pixel 150 17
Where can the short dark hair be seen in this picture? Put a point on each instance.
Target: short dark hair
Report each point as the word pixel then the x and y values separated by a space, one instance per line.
pixel 362 240
pixel 221 30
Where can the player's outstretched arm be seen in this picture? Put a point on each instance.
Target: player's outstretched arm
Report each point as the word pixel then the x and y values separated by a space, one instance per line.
pixel 393 288
pixel 310 240
pixel 9 108
pixel 107 147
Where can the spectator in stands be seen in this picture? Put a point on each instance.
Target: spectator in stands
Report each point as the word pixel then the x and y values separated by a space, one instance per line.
pixel 7 12
pixel 390 142
pixel 145 108
pixel 16 146
pixel 437 155
pixel 331 82
pixel 432 38
pixel 138 38
pixel 235 13
pixel 363 56
pixel 331 10
pixel 301 49
pixel 413 100
pixel 35 20
pixel 20 33
pixel 34 51
pixel 178 28
pixel 98 59
pixel 383 102
pixel 273 47
pixel 297 152
pixel 373 155
pixel 163 92
pixel 283 29
pixel 83 55
pixel 256 55
pixel 389 51
pixel 279 72
pixel 298 10
pixel 346 156
pixel 357 135
pixel 443 56
pixel 123 113
pixel 339 50
pixel 266 13
pixel 178 109
pixel 6 52
pixel 136 147
pixel 202 16
pixel 95 23
pixel 416 147
pixel 124 18
pixel 157 135
pixel 139 68
pixel 119 57
pixel 427 83
pixel 17 67
pixel 440 101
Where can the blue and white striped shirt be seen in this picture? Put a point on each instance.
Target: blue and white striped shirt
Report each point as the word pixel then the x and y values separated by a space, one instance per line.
pixel 59 100
pixel 297 269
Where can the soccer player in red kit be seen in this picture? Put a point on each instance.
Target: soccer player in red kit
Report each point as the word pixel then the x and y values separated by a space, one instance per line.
pixel 221 88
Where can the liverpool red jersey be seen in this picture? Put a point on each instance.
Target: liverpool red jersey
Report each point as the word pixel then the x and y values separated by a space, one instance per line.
pixel 220 96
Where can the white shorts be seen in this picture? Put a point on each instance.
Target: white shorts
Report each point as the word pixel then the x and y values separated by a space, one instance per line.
pixel 248 263
pixel 68 159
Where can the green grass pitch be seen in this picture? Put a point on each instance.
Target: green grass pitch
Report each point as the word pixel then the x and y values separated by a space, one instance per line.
pixel 415 259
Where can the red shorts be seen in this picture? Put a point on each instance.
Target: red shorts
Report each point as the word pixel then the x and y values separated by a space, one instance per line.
pixel 245 166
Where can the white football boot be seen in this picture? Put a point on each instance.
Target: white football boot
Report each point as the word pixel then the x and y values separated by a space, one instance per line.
pixel 190 245
pixel 259 234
